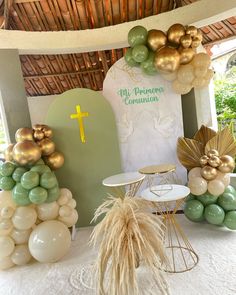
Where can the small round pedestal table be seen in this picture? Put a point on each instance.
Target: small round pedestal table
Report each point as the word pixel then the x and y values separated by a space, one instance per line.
pixel 124 183
pixel 181 255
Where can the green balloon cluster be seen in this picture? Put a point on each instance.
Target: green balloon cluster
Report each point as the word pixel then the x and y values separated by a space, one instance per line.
pixel 36 184
pixel 139 53
pixel 215 210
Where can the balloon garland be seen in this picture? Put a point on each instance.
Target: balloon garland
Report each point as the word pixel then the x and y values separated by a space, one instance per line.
pixel 32 206
pixel 209 158
pixel 172 55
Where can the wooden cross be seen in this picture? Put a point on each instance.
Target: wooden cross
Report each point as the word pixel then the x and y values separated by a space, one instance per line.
pixel 79 116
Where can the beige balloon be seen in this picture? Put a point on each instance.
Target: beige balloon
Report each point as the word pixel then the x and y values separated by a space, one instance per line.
pixel 6 263
pixel 72 203
pixel 169 77
pixel 48 211
pixel 216 187
pixel 185 74
pixel 65 211
pixel 7 246
pixel 194 172
pixel 21 255
pixel 198 82
pixel 6 225
pixel 65 196
pixel 7 212
pixel 69 220
pixel 198 186
pixel 181 88
pixel 209 74
pixel 49 241
pixel 24 218
pixel 200 72
pixel 223 177
pixel 20 236
pixel 6 200
pixel 201 60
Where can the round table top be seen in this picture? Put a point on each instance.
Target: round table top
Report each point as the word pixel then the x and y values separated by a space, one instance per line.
pixel 157 169
pixel 166 194
pixel 123 179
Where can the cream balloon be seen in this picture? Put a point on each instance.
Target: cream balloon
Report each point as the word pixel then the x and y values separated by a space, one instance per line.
pixel 65 211
pixel 6 200
pixel 197 185
pixel 21 255
pixel 181 88
pixel 6 263
pixel 71 219
pixel 24 218
pixel 216 187
pixel 48 211
pixel 20 236
pixel 200 72
pixel 49 241
pixel 72 203
pixel 65 196
pixel 7 212
pixel 194 172
pixel 198 82
pixel 209 74
pixel 201 60
pixel 6 224
pixel 185 74
pixel 223 177
pixel 169 77
pixel 6 246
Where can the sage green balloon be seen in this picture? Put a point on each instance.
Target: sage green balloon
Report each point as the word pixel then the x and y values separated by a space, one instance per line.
pixel 17 174
pixel 20 195
pixel 189 198
pixel 7 168
pixel 38 195
pixel 129 58
pixel 40 162
pixel 227 201
pixel 137 36
pixel 53 194
pixel 48 180
pixel 7 183
pixel 140 53
pixel 148 65
pixel 230 220
pixel 30 179
pixel 194 210
pixel 40 169
pixel 207 199
pixel 230 189
pixel 214 214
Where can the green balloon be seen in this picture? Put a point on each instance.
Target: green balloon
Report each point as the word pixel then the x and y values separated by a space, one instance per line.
pixel 39 162
pixel 17 174
pixel 7 183
pixel 137 36
pixel 40 169
pixel 7 168
pixel 30 179
pixel 20 195
pixel 227 201
pixel 214 214
pixel 148 65
pixel 38 195
pixel 140 53
pixel 129 58
pixel 230 220
pixel 194 210
pixel 48 180
pixel 189 198
pixel 207 199
pixel 53 194
pixel 230 189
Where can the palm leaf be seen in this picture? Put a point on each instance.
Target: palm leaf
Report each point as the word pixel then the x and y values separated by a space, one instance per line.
pixel 204 134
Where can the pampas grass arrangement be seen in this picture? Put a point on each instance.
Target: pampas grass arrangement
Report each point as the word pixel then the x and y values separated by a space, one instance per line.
pixel 128 235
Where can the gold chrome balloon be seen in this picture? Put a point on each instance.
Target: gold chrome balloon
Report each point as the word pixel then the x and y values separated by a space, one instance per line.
pixel 167 60
pixel 38 126
pixel 26 152
pixel 214 161
pixel 175 32
pixel 227 164
pixel 38 134
pixel 186 41
pixel 186 55
pixel 8 152
pixel 199 35
pixel 156 39
pixel 212 152
pixel 47 146
pixel 195 42
pixel 192 31
pixel 47 131
pixel 24 134
pixel 203 160
pixel 55 160
pixel 208 172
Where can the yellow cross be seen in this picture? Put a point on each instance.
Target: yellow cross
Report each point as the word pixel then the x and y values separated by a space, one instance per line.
pixel 80 115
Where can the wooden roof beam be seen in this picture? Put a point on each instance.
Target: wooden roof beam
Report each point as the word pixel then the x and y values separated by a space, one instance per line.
pixel 200 14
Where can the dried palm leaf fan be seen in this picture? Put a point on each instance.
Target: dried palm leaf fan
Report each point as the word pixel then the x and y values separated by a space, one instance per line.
pixel 204 134
pixel 128 234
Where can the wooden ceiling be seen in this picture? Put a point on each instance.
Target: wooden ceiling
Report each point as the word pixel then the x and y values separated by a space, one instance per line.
pixel 53 74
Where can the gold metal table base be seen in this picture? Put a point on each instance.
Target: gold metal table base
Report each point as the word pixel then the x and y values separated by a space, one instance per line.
pixel 126 190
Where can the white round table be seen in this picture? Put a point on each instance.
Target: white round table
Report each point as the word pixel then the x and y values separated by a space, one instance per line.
pixel 167 201
pixel 129 180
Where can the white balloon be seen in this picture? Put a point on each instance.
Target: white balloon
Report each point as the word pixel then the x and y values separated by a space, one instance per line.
pixel 49 241
pixel 65 211
pixel 24 218
pixel 216 187
pixel 6 246
pixel 65 196
pixel 197 185
pixel 20 236
pixel 194 172
pixel 6 225
pixel 6 263
pixel 21 255
pixel 48 211
pixel 71 219
pixel 6 200
pixel 224 177
pixel 72 203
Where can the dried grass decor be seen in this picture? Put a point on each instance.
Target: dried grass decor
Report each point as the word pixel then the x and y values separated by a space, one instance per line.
pixel 130 236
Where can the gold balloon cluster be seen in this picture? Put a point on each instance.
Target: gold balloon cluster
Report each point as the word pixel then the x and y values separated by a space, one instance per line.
pixel 31 145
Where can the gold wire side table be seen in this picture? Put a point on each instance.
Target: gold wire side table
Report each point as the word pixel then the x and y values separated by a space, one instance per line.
pixel 124 183
pixel 181 254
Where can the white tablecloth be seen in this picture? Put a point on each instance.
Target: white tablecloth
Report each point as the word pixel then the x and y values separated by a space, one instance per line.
pixel 214 275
